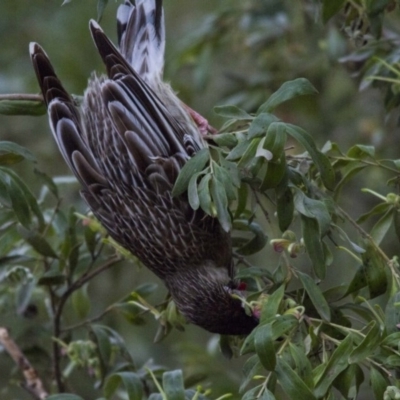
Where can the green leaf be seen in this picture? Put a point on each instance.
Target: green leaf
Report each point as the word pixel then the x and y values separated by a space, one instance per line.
pixel 131 382
pixel 232 112
pixel 249 154
pixel 24 191
pixel 225 346
pixel 220 200
pixel 337 363
pixel 243 193
pixel 256 243
pixel 368 345
pixel 19 203
pixel 192 166
pixel 173 385
pixel 22 107
pixel 271 306
pixel 379 382
pixel 274 174
pixel 264 346
pixel 52 277
pixel 282 325
pixel 193 195
pixel 12 153
pixel 360 151
pixel 321 160
pixel 330 8
pixel 225 139
pixel 291 383
pixel 392 313
pixel 382 226
pixel 203 191
pixel 239 150
pixel 253 393
pixel 396 222
pixel 289 90
pixel 251 368
pixel 378 209
pixel 81 302
pixel 375 270
pixel 48 182
pixel 285 209
pixel 316 296
pixel 260 124
pixel 224 177
pixel 349 381
pixel 38 242
pixel 352 169
pixel 103 343
pixel 313 243
pixel 101 5
pixel 303 364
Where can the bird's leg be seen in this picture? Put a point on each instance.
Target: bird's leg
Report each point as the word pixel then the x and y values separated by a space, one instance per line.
pixel 200 121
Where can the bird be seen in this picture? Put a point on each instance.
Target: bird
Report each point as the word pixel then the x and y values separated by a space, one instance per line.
pixel 126 145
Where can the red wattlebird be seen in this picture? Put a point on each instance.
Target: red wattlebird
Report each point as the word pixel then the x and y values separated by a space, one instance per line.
pixel 126 147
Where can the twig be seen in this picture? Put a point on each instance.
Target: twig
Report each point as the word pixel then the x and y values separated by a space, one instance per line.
pixel 22 96
pixel 242 259
pixel 33 384
pixel 59 310
pixel 263 209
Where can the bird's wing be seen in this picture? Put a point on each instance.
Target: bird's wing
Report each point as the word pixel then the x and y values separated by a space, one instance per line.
pixel 127 155
pixel 141 37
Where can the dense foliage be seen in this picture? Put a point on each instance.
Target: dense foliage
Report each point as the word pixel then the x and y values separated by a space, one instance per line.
pixel 327 284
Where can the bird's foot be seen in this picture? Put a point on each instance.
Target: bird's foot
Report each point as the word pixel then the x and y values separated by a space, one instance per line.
pixel 204 127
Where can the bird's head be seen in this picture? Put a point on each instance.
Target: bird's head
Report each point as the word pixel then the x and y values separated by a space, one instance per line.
pixel 207 297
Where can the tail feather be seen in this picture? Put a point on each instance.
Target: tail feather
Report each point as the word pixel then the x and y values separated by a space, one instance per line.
pixel 65 121
pixel 141 37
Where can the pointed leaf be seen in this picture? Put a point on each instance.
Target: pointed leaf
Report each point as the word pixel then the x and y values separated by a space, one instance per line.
pixel 192 166
pixel 337 363
pixel 203 191
pixel 232 112
pixel 173 385
pixel 382 226
pixel 291 383
pixel 316 296
pixel 220 200
pixel 330 8
pixel 285 209
pixel 379 383
pixel 38 242
pixel 17 153
pixel 368 345
pixel 313 243
pixel 130 381
pixel 260 124
pixel 287 91
pixel 321 160
pixel 264 346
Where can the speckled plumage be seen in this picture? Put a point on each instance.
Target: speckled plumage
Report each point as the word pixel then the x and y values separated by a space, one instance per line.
pixel 126 148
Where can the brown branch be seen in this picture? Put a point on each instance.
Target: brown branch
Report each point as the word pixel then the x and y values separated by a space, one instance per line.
pixel 22 96
pixel 33 383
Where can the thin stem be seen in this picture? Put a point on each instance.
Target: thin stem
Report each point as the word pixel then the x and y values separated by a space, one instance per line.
pixel 58 310
pixel 88 321
pixel 363 233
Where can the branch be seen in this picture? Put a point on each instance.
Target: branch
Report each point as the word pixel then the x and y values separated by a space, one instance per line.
pixel 33 383
pixel 60 307
pixel 22 96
